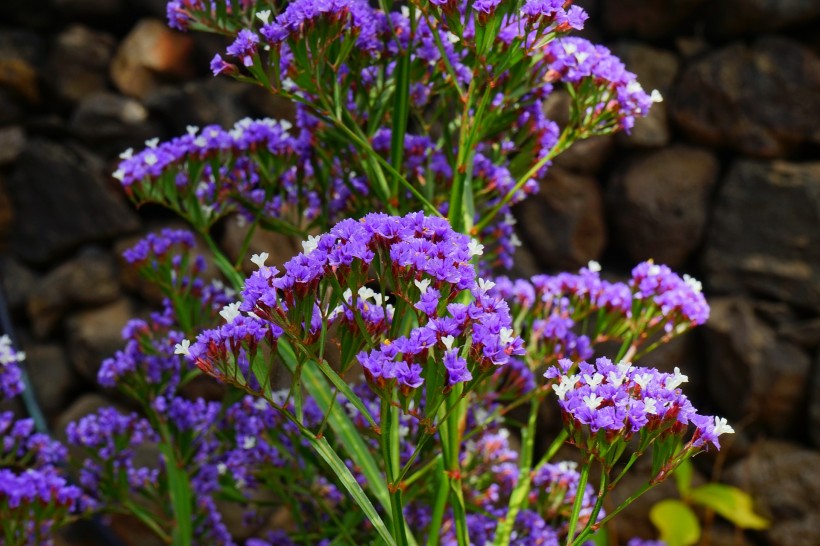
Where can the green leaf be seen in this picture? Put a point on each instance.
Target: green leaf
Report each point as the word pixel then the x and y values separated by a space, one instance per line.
pixel 181 497
pixel 676 522
pixel 730 502
pixel 349 482
pixel 600 538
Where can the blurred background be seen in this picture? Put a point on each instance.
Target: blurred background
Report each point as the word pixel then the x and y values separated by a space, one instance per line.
pixel 721 181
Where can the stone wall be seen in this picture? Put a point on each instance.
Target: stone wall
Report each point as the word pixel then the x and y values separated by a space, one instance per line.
pixel 721 181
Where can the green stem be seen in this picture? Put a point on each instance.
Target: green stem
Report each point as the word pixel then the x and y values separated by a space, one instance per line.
pixel 522 488
pixel 579 500
pixel 223 263
pixel 585 534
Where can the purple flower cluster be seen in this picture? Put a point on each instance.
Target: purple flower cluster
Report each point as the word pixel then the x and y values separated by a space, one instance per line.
pixel 20 441
pixel 431 265
pixel 110 438
pixel 555 486
pixel 679 299
pixel 622 400
pixel 554 15
pixel 155 246
pixel 575 60
pixel 11 378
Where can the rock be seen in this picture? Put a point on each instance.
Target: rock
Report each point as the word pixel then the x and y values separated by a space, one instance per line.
pixel 587 156
pixel 79 62
pixel 732 18
pixel 110 123
pixel 89 279
pixel 51 376
pixel 564 223
pixel 814 404
pixel 18 282
pixel 12 142
pixel 656 69
pixel 759 100
pixel 21 54
pixel 753 376
pixel 763 235
pixel 659 203
pixel 150 54
pixel 216 101
pixel 63 198
pixel 96 335
pixel 785 488
pixel 96 10
pixel 649 19
pixel 11 111
pixel 7 214
pixel 804 333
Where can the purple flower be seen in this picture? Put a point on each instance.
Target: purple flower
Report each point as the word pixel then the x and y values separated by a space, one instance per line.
pixel 11 377
pixel 243 47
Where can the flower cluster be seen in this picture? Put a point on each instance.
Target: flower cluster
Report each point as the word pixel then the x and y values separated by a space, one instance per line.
pixel 11 379
pixel 608 402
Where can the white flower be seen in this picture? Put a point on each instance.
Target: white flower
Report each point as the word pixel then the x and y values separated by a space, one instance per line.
pixel 230 312
pixel 192 129
pixel 475 248
pixel 561 389
pixel 260 259
pixel 150 159
pixel 722 426
pixel 348 295
pixel 693 283
pixel 642 380
pixel 366 293
pixel 452 38
pixel 509 219
pixel 485 285
pixel 183 348
pixel 200 142
pixel 448 341
pixel 422 285
pixel 249 442
pixel 260 403
pixel 650 406
pixel 119 174
pixel 221 469
pixel 515 241
pixel 594 266
pixel 656 96
pixel 285 124
pixel 594 380
pixel 654 270
pixel 127 154
pixel 592 401
pixel 506 336
pixel 676 379
pixel 263 16
pixel 311 244
pixel 152 143
pixel 279 397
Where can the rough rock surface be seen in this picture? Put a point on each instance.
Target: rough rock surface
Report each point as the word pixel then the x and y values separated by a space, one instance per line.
pixel 564 223
pixel 111 123
pixel 648 19
pixel 78 64
pixel 95 335
pixel 784 482
pixel 89 279
pixel 149 55
pixel 61 193
pixel 764 234
pixel 12 142
pixel 749 17
pixel 754 376
pixel 659 203
pixel 760 100
pixel 52 378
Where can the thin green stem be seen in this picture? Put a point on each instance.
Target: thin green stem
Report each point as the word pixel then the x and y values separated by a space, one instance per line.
pixel 585 534
pixel 579 500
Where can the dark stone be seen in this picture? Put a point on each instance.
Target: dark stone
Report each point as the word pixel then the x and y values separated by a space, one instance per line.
pixel 79 61
pixel 12 142
pixel 151 54
pixel 7 213
pixel 648 19
pixel 659 203
pixel 62 200
pixel 96 335
pixel 11 110
pixel 90 279
pixel 51 376
pixel 587 156
pixel 759 100
pixel 731 18
pixel 18 282
pixel 110 123
pixel 564 223
pixel 814 404
pixel 96 10
pixel 753 375
pixel 804 333
pixel 763 235
pixel 215 101
pixel 656 69
pixel 785 486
